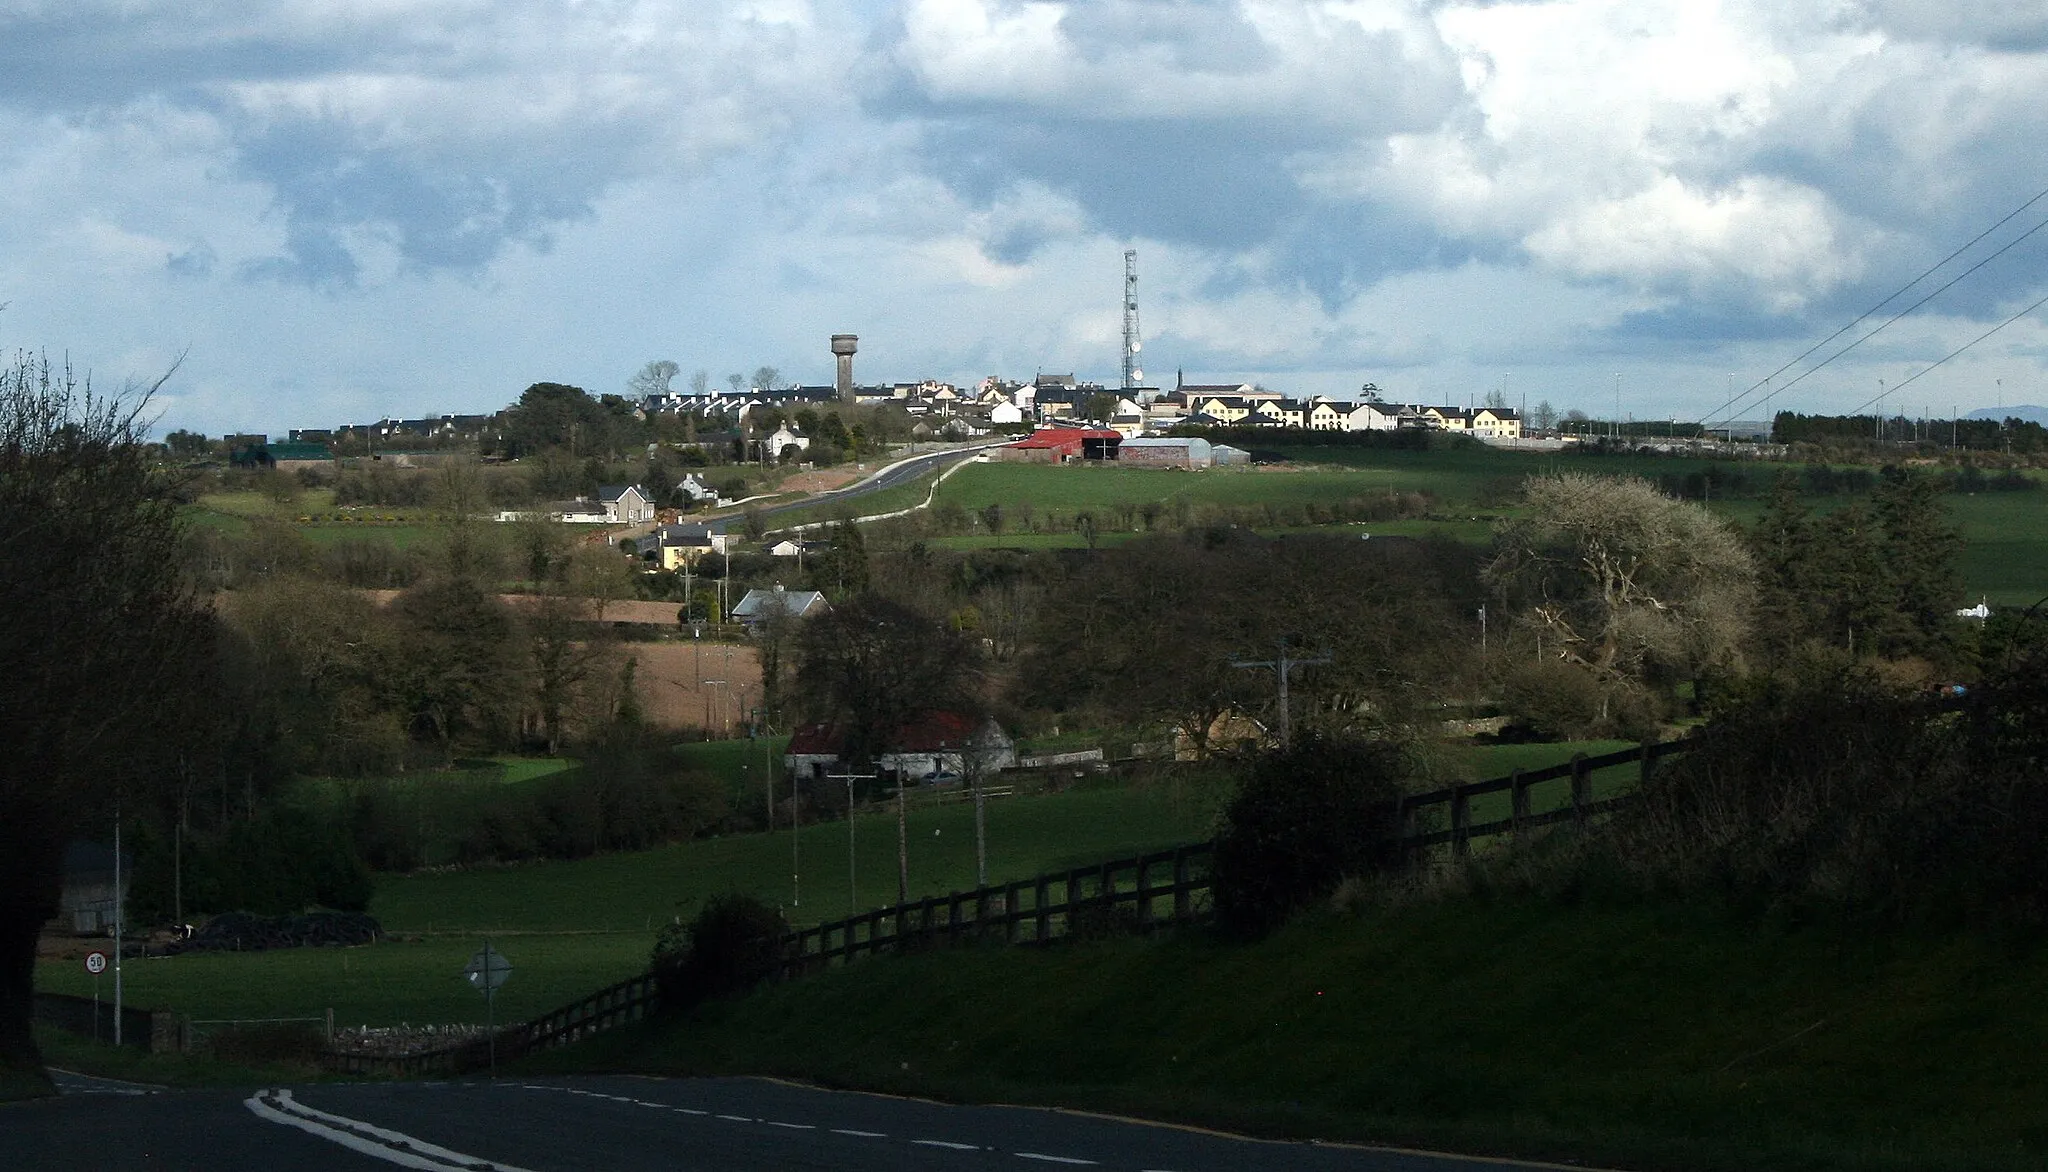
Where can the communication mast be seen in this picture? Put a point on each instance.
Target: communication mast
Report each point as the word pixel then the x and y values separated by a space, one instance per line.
pixel 1133 377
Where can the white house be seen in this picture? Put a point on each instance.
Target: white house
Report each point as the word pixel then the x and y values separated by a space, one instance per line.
pixel 784 439
pixel 760 605
pixel 625 504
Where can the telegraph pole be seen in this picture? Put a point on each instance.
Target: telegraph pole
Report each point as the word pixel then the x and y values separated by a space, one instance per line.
pixel 852 887
pixel 1282 667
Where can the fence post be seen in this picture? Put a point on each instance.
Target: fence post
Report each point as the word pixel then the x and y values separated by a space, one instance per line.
pixel 1461 822
pixel 1183 899
pixel 953 906
pixel 1044 896
pixel 1073 896
pixel 1582 787
pixel 1145 892
pixel 1647 765
pixel 1518 791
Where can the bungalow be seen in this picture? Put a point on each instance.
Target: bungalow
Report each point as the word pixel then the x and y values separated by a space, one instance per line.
pixel 790 547
pixel 761 605
pixel 938 746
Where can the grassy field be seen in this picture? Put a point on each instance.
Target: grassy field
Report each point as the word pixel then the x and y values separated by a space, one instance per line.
pixel 573 927
pixel 1620 1034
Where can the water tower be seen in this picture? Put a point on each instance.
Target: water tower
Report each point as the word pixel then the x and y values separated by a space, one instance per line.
pixel 843 346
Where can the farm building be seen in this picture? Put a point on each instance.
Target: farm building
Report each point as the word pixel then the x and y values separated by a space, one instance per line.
pixel 1224 455
pixel 87 903
pixel 939 744
pixel 1167 452
pixel 1062 445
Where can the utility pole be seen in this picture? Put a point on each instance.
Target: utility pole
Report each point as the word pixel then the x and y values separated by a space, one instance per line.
pixel 902 839
pixel 118 926
pixel 1282 668
pixel 852 887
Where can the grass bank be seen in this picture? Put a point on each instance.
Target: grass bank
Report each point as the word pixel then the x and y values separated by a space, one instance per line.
pixel 1655 1037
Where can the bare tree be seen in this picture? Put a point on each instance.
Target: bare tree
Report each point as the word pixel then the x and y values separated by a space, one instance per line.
pixel 1623 582
pixel 765 377
pixel 99 621
pixel 653 378
pixel 700 382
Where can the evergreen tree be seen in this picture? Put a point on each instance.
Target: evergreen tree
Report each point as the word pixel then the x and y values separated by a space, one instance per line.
pixel 1921 546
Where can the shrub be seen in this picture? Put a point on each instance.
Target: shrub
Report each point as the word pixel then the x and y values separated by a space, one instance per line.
pixel 1838 791
pixel 1303 821
pixel 733 944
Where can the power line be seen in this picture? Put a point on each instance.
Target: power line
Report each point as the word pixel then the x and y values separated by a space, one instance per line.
pixel 1732 400
pixel 1953 353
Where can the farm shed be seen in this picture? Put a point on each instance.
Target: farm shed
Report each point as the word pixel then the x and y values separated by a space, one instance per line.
pixel 1167 452
pixel 1061 445
pixel 1224 455
pixel 86 905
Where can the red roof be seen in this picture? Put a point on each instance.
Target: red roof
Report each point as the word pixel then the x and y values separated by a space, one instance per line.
pixel 1066 437
pixel 930 733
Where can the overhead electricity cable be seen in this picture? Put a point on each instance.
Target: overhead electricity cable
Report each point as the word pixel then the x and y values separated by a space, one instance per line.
pixel 1951 354
pixel 1732 400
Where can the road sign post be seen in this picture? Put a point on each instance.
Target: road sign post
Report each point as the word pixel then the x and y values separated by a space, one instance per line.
pixel 95 963
pixel 485 972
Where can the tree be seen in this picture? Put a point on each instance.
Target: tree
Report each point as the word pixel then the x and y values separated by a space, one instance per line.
pixel 1497 399
pixel 765 377
pixel 1544 417
pixel 700 383
pixel 1624 583
pixel 871 666
pixel 1921 545
pixel 1370 393
pixel 99 622
pixel 737 381
pixel 188 445
pixel 458 671
pixel 842 570
pixel 653 378
pixel 554 415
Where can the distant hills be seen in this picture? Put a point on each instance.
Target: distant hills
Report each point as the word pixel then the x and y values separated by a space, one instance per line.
pixel 2029 413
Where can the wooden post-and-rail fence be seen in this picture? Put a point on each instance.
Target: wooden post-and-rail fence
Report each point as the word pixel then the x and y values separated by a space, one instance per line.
pixel 1135 894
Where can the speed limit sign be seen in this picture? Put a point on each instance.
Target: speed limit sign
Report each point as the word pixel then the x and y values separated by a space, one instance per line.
pixel 95 963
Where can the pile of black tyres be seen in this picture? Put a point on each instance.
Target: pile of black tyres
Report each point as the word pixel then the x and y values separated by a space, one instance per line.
pixel 244 932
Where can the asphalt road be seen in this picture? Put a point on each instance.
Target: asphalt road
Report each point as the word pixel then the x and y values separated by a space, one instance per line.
pixel 901 472
pixel 621 1124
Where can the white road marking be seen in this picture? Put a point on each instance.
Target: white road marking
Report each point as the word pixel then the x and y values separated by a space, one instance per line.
pixel 394 1147
pixel 1053 1159
pixel 738 1118
pixel 792 1126
pixel 861 1134
pixel 946 1143
pixel 689 1111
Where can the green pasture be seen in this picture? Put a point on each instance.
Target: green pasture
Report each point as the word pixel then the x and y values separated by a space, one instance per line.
pixel 403 979
pixel 1607 1033
pixel 572 927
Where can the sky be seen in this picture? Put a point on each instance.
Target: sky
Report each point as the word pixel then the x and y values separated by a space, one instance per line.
pixel 328 211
